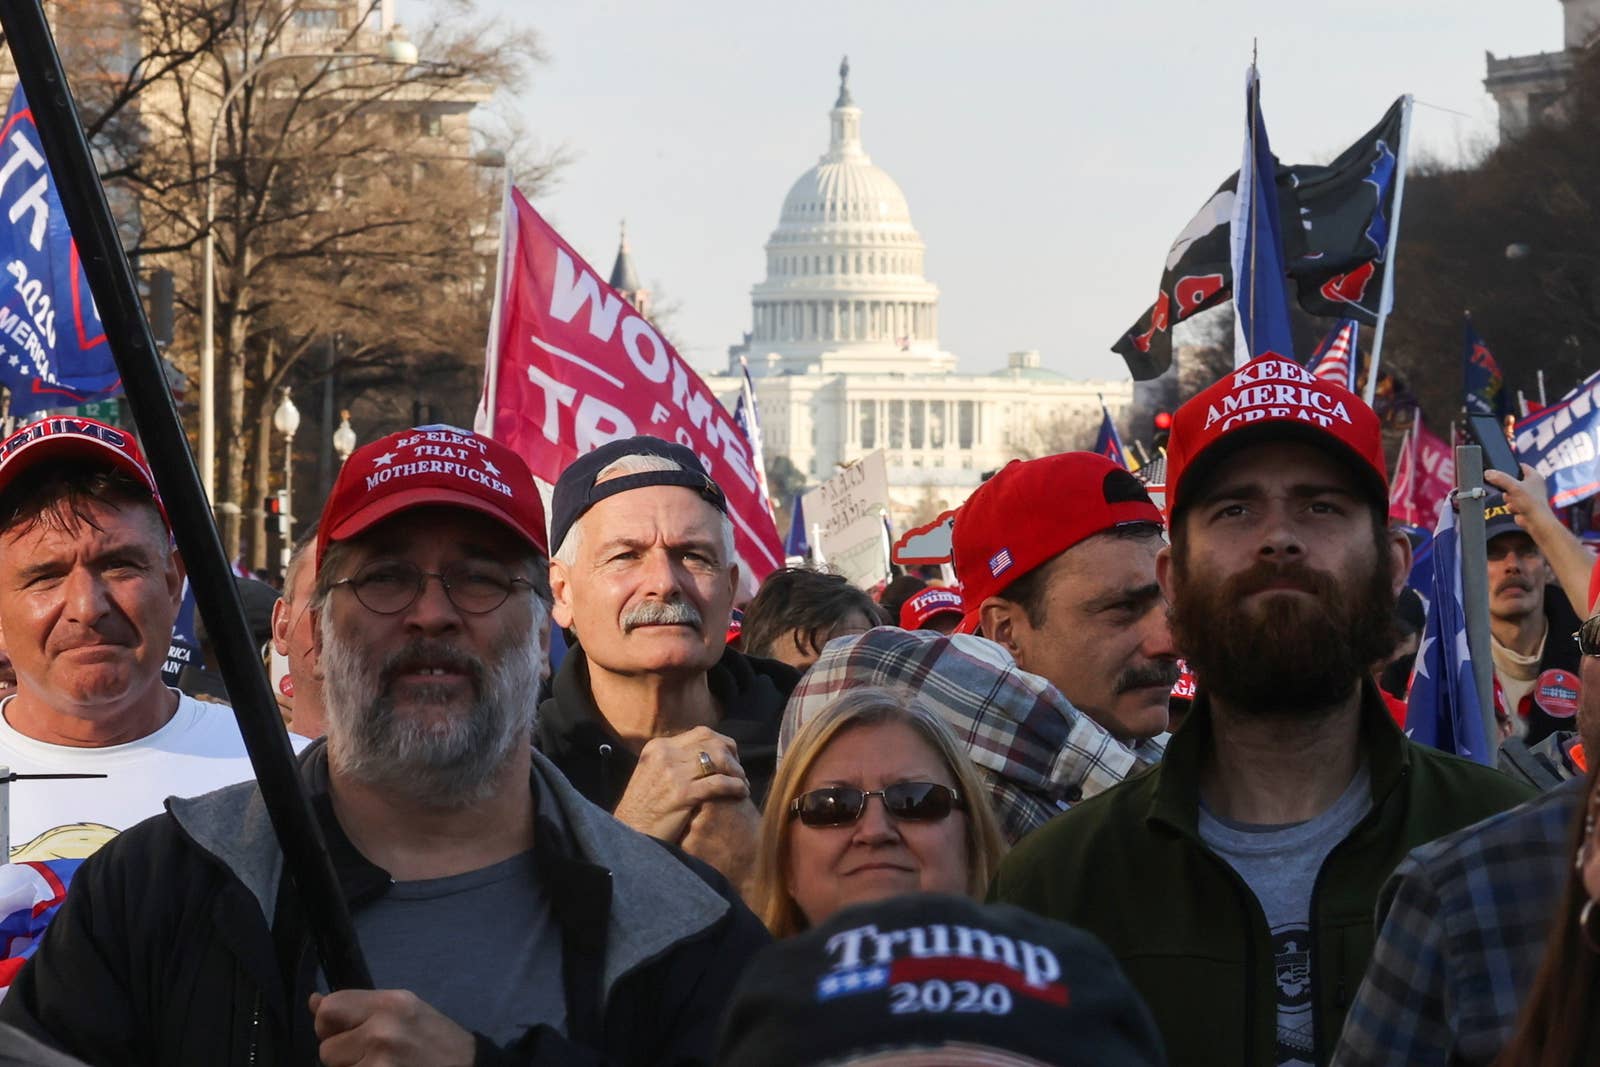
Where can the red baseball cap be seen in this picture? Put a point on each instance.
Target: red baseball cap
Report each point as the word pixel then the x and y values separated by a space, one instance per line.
pixel 927 605
pixel 63 437
pixel 1034 510
pixel 1270 399
pixel 431 466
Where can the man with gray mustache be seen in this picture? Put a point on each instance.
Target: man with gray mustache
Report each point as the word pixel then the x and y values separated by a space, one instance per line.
pixel 504 918
pixel 652 717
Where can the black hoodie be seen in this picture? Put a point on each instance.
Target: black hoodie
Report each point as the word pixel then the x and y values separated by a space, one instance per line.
pixel 571 731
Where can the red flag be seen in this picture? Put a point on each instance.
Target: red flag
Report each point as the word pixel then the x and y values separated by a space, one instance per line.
pixel 575 366
pixel 1430 474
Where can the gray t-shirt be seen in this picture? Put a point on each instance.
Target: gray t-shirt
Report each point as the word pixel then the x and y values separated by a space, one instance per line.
pixel 1280 865
pixel 479 947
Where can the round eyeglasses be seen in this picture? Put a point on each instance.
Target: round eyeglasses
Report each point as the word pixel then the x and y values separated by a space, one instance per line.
pixel 390 586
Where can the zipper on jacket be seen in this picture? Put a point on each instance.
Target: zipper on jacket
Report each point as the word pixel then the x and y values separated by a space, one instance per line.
pixel 255 1028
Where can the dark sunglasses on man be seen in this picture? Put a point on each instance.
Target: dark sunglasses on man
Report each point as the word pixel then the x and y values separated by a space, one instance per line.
pixel 1588 636
pixel 841 805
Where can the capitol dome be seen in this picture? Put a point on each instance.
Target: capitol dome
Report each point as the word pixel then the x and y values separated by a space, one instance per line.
pixel 844 267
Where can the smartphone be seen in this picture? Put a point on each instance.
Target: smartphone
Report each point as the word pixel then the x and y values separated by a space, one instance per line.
pixel 1491 437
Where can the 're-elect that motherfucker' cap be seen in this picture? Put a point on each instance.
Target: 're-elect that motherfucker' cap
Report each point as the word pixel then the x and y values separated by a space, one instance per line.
pixel 1273 399
pixel 577 491
pixel 67 437
pixel 942 977
pixel 432 466
pixel 1034 510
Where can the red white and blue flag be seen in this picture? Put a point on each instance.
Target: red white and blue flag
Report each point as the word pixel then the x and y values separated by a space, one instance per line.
pixel 1109 442
pixel 30 895
pixel 1443 709
pixel 1336 357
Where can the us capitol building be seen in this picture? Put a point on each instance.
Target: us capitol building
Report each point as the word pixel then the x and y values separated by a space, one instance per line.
pixel 845 348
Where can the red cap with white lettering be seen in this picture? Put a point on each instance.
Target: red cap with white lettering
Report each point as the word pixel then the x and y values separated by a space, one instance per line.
pixel 1270 399
pixel 432 466
pixel 64 437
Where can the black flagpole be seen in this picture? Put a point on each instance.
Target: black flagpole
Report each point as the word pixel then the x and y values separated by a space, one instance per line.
pixel 133 346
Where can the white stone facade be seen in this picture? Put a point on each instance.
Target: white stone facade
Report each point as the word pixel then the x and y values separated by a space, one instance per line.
pixel 844 347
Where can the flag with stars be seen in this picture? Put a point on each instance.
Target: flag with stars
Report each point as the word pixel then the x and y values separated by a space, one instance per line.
pixel 1443 709
pixel 747 416
pixel 1335 358
pixel 53 350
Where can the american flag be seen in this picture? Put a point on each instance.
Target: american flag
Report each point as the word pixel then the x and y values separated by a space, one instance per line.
pixel 1000 562
pixel 1335 358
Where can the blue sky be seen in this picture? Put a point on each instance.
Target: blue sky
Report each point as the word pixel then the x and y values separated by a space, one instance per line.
pixel 1050 151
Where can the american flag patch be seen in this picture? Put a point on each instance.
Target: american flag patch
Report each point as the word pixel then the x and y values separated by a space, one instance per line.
pixel 999 563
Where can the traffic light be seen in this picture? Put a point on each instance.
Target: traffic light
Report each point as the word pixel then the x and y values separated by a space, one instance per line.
pixel 1161 427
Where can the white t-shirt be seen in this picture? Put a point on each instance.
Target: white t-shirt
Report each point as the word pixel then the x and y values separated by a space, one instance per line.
pixel 198 750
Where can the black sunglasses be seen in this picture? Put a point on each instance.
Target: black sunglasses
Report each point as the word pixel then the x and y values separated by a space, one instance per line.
pixel 841 805
pixel 1588 636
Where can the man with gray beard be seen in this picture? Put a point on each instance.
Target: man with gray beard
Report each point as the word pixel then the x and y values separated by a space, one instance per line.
pixel 505 919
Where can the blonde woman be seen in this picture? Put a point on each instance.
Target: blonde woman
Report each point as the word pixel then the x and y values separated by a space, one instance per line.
pixel 874 798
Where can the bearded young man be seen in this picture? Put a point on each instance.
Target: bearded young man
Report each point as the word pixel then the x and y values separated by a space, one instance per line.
pixel 505 919
pixel 1236 881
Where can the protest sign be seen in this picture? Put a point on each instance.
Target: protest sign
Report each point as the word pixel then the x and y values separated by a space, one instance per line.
pixel 53 350
pixel 1562 442
pixel 846 511
pixel 573 366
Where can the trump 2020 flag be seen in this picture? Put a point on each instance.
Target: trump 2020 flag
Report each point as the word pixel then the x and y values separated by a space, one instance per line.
pixel 1109 443
pixel 1443 709
pixel 574 366
pixel 53 350
pixel 1260 295
pixel 1335 358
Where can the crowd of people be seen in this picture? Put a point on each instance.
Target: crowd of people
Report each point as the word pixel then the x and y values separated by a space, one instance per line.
pixel 577 819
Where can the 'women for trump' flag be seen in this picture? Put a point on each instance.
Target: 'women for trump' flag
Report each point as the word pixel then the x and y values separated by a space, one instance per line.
pixel 572 366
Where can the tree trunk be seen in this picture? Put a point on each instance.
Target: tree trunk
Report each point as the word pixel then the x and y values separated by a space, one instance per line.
pixel 261 476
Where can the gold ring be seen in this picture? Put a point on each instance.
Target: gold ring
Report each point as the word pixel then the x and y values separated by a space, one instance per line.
pixel 707 768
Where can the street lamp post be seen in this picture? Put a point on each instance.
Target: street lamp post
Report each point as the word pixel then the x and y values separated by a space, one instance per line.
pixel 287 420
pixel 344 438
pixel 395 51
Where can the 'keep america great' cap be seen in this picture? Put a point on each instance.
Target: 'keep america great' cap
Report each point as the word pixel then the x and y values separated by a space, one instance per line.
pixel 432 466
pixel 1269 399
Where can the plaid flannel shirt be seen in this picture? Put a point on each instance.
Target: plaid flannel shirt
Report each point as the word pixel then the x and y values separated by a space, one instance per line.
pixel 1464 921
pixel 1036 751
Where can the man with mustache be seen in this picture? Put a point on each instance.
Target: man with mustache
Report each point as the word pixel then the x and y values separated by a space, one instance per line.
pixel 652 717
pixel 1057 563
pixel 1236 881
pixel 504 918
pixel 90 586
pixel 1536 667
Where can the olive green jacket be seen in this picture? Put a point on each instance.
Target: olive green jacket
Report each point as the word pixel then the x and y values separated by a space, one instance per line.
pixel 1129 866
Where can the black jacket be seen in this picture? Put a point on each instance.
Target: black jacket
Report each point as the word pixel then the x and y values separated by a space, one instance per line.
pixel 163 955
pixel 751 692
pixel 1551 705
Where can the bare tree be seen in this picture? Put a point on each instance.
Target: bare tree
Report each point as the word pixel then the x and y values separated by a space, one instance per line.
pixel 353 224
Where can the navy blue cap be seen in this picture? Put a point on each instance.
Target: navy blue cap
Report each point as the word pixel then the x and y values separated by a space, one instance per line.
pixel 576 491
pixel 932 973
